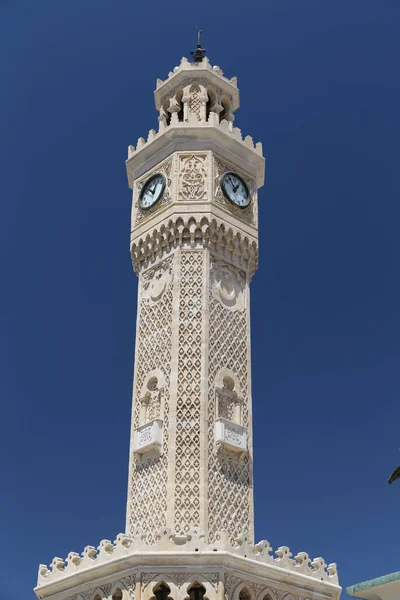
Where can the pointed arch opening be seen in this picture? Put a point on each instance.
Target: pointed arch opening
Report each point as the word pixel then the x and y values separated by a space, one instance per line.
pixel 197 591
pixel 117 595
pixel 162 591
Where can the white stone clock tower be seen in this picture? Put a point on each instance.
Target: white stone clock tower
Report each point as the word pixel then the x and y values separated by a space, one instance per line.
pixel 194 247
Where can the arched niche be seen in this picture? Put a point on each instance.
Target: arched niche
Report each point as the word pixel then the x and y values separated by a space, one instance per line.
pixel 228 397
pixel 226 378
pixel 151 396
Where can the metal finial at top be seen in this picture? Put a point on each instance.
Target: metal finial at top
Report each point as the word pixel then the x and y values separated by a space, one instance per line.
pixel 199 53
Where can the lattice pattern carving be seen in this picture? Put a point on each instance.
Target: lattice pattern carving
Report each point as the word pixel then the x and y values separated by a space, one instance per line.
pixel 148 485
pixel 165 169
pixel 195 102
pixel 229 477
pixel 193 177
pixel 247 214
pixel 187 467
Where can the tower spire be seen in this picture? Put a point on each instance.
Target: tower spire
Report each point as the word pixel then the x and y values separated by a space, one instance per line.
pixel 200 52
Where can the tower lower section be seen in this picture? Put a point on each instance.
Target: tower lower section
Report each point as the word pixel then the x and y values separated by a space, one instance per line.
pixel 185 567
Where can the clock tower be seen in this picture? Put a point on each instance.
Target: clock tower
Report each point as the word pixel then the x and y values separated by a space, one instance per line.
pixel 194 246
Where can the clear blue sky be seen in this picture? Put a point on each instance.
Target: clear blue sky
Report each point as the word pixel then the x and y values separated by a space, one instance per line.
pixel 319 84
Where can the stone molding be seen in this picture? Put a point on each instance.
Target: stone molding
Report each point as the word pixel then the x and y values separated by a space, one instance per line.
pixel 225 126
pixel 193 232
pixel 193 542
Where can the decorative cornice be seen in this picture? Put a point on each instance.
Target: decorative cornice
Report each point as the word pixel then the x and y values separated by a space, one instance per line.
pixel 213 121
pixel 194 542
pixel 196 231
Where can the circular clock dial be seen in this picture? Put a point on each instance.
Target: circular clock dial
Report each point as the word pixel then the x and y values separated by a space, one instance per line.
pixel 235 189
pixel 152 191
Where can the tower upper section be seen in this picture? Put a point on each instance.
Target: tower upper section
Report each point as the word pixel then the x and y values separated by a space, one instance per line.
pixel 195 145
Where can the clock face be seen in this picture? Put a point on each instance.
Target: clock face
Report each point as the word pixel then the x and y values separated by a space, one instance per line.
pixel 152 191
pixel 235 189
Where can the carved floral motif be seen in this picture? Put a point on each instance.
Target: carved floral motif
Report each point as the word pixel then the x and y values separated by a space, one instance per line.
pixel 192 177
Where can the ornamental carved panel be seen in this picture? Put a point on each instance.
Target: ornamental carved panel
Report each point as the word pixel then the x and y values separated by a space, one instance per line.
pixel 156 281
pixel 228 285
pixel 193 177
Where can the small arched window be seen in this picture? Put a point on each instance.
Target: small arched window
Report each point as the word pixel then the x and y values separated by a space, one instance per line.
pixel 161 591
pixel 117 595
pixel 196 591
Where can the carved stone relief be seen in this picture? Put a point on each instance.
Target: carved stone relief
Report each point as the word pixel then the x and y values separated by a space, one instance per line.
pixel 193 177
pixel 228 285
pixel 156 281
